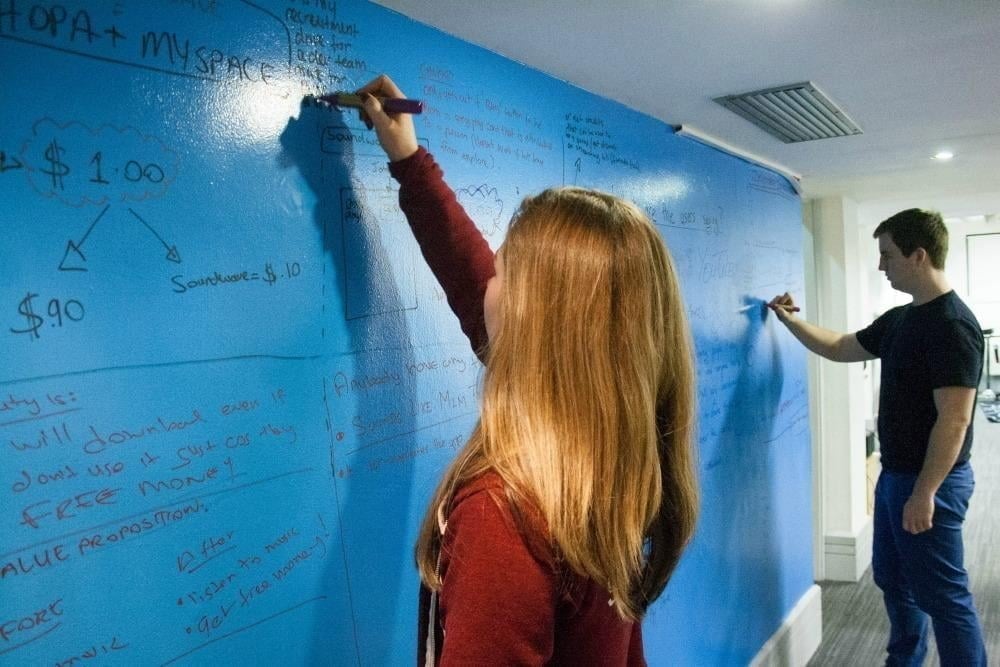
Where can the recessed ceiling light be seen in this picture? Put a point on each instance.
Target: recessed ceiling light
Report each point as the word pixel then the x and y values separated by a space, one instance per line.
pixel 944 156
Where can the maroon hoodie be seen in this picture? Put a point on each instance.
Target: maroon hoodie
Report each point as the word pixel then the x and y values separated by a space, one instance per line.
pixel 505 598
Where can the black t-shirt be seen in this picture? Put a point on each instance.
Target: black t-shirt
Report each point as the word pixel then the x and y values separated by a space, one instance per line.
pixel 922 348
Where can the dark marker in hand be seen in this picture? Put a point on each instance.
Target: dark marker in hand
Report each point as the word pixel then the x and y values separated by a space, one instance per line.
pixel 389 104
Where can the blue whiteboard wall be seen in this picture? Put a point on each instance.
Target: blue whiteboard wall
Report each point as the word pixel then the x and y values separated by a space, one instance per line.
pixel 229 384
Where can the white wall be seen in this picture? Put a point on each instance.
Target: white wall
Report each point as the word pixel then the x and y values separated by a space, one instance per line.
pixel 838 409
pixel 978 283
pixel 958 206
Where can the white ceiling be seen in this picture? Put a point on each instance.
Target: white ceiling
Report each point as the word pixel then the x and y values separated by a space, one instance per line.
pixel 918 76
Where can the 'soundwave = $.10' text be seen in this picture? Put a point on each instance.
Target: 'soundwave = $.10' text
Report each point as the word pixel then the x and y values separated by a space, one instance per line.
pixel 218 279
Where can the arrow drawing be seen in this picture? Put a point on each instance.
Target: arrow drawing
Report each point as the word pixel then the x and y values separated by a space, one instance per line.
pixel 172 253
pixel 73 259
pixel 5 166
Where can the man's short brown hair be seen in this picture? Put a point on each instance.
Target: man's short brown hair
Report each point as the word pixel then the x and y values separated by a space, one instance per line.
pixel 916 228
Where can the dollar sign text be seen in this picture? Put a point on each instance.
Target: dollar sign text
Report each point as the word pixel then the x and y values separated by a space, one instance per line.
pixel 58 169
pixel 269 276
pixel 34 321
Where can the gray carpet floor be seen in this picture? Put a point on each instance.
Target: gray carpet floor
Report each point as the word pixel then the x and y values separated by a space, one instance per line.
pixel 855 627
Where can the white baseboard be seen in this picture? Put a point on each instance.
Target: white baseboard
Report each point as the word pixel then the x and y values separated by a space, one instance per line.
pixel 847 556
pixel 800 634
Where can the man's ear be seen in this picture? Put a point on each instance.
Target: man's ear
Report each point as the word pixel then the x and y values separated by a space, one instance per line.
pixel 920 256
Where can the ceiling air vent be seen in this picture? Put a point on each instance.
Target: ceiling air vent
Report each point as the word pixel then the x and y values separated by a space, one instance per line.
pixel 797 112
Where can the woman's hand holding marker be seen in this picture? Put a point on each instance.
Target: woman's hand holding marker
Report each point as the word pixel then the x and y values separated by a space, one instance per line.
pixel 395 131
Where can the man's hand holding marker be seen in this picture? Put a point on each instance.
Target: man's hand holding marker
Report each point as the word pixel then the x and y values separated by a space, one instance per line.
pixel 783 306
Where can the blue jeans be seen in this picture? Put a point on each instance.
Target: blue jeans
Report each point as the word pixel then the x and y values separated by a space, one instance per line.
pixel 924 575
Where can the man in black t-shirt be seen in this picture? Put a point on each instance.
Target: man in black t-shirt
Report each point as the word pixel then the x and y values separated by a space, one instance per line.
pixel 931 352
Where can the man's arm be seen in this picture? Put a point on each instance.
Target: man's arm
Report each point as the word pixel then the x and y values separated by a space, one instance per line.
pixel 833 345
pixel 954 407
